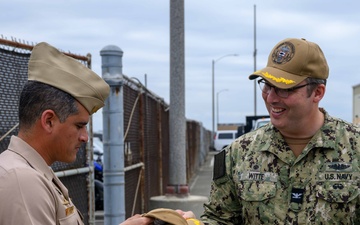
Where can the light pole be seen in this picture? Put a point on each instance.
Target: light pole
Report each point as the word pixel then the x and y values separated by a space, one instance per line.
pixel 213 91
pixel 217 105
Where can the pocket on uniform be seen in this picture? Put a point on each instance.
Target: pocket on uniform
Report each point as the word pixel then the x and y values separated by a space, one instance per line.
pixel 69 220
pixel 337 192
pixel 256 191
pixel 258 195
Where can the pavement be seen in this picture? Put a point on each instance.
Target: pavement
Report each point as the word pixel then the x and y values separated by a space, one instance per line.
pixel 200 185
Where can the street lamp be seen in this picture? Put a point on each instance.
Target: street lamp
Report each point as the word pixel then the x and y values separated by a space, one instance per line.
pixel 217 104
pixel 213 90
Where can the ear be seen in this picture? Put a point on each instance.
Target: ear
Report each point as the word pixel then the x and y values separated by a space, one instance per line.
pixel 48 119
pixel 319 92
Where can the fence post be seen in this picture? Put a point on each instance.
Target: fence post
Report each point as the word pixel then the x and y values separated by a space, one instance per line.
pixel 113 137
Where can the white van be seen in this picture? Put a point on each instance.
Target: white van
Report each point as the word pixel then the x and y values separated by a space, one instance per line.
pixel 223 138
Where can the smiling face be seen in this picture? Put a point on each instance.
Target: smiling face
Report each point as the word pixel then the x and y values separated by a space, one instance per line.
pixel 67 137
pixel 296 113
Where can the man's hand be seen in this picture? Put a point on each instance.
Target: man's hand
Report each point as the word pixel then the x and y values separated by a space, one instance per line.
pixel 138 220
pixel 186 214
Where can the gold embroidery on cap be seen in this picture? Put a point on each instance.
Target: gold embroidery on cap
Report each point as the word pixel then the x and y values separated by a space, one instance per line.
pixel 278 79
pixel 195 221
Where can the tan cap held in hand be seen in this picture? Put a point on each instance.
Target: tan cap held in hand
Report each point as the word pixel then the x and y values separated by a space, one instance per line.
pixel 291 61
pixel 171 216
pixel 50 66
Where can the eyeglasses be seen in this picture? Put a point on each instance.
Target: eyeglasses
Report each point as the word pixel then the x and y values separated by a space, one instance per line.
pixel 283 93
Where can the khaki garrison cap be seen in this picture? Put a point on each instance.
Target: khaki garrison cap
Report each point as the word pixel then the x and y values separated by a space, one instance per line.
pixel 291 61
pixel 170 216
pixel 49 66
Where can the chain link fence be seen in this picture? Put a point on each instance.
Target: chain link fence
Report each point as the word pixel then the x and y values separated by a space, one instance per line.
pixel 146 131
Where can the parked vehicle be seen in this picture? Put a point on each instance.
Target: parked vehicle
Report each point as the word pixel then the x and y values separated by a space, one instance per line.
pixel 251 120
pixel 98 149
pixel 98 173
pixel 98 170
pixel 223 138
pixel 99 195
pixel 261 122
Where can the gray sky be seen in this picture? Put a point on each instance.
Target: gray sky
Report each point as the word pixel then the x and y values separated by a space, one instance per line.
pixel 213 28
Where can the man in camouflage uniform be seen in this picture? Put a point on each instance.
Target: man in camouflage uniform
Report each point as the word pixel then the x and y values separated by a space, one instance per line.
pixel 303 167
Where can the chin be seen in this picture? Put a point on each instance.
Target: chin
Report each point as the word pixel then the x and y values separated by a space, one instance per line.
pixel 69 160
pixel 276 123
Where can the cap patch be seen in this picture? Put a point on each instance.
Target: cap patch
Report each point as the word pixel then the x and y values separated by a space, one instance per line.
pixel 283 53
pixel 277 79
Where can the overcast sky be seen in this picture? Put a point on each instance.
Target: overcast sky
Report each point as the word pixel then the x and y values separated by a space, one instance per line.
pixel 213 28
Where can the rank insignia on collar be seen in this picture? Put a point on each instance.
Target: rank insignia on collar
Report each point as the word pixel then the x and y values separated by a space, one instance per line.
pixel 69 210
pixel 65 202
pixel 297 195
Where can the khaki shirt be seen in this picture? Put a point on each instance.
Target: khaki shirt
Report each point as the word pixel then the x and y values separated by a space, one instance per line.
pixel 30 193
pixel 258 180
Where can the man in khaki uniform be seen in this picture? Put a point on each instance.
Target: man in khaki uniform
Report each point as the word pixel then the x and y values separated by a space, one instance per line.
pixel 54 109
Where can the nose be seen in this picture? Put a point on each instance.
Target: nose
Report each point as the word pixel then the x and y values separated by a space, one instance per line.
pixel 84 137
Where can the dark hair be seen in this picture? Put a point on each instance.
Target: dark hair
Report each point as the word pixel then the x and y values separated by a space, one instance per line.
pixel 36 97
pixel 314 83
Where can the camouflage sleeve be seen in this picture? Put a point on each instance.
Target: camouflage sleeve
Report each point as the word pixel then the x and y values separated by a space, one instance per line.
pixel 357 212
pixel 223 206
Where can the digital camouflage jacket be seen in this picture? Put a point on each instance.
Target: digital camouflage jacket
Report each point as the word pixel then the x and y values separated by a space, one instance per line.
pixel 258 180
